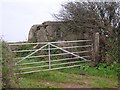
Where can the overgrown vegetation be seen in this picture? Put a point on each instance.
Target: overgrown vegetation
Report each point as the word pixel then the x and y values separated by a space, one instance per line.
pixel 9 78
pixel 90 17
pixel 101 70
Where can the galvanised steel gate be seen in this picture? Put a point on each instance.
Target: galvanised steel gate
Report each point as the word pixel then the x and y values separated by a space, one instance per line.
pixel 50 55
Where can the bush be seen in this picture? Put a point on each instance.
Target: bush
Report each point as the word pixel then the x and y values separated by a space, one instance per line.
pixel 8 65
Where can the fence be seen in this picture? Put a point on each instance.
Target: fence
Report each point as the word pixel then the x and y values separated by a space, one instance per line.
pixel 51 55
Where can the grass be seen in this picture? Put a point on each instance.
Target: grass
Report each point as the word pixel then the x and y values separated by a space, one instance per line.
pixel 72 77
pixel 100 71
pixel 102 76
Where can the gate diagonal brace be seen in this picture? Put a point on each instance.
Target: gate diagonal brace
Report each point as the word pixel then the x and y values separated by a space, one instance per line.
pixel 68 52
pixel 32 53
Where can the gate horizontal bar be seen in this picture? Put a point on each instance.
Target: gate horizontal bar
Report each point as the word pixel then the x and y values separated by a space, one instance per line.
pixel 49 42
pixel 53 55
pixel 51 65
pixel 68 59
pixel 48 69
pixel 32 67
pixel 68 51
pixel 53 48
pixel 31 63
pixel 68 63
pixel 65 59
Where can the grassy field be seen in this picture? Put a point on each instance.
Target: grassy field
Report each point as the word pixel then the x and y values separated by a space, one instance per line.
pixel 70 78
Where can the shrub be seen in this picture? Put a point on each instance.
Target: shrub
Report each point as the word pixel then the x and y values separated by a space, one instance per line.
pixel 8 65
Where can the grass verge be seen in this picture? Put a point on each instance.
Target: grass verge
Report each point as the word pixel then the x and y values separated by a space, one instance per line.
pixel 66 78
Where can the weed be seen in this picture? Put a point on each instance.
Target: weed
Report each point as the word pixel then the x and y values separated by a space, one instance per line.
pixel 101 70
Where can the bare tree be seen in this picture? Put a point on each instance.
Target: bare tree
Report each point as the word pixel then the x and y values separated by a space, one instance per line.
pixel 102 17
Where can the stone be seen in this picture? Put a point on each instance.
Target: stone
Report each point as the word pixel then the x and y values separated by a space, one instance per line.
pixel 46 31
pixel 54 31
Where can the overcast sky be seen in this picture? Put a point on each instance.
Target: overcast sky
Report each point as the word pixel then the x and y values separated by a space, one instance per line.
pixel 19 15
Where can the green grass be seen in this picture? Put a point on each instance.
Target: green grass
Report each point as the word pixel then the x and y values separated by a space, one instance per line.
pixel 84 76
pixel 33 83
pixel 104 84
pixel 56 76
pixel 71 76
pixel 101 71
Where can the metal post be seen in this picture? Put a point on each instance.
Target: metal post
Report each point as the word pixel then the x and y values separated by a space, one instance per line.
pixel 49 55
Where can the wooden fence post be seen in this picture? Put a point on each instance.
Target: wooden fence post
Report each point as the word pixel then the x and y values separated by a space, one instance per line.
pixel 96 48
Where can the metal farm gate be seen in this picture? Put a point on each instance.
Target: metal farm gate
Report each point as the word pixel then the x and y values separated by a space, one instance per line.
pixel 45 56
